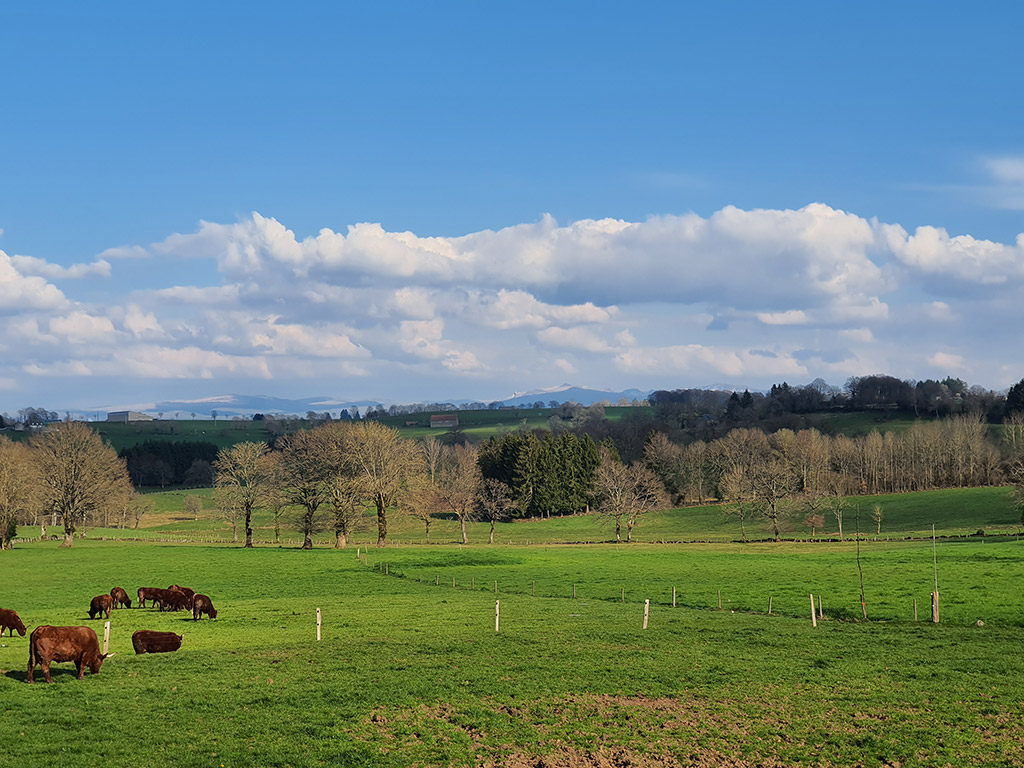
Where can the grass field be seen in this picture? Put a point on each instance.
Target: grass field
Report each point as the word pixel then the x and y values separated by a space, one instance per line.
pixel 413 674
pixel 955 512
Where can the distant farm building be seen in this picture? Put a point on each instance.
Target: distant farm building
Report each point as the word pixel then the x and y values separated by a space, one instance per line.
pixel 126 416
pixel 444 421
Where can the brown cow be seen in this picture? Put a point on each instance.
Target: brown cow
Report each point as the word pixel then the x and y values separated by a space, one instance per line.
pixel 148 593
pixel 47 644
pixel 10 620
pixel 202 604
pixel 172 600
pixel 100 604
pixel 150 641
pixel 120 598
pixel 189 593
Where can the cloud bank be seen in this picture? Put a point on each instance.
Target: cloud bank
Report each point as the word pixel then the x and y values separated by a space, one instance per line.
pixel 749 297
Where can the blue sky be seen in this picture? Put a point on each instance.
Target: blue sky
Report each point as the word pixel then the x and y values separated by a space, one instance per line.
pixel 410 201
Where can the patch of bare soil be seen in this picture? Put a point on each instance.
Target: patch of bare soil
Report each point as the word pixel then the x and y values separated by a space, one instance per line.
pixel 573 758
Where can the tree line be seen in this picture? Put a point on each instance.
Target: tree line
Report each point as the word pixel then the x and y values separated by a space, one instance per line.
pixel 327 477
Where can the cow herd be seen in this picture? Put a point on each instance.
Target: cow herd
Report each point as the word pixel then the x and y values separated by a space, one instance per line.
pixel 81 645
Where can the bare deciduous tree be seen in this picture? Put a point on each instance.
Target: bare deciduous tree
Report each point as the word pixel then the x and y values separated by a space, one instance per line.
pixel 421 502
pixel 381 462
pixel 737 489
pixel 193 505
pixel 458 481
pixel 349 504
pixel 876 516
pixel 772 481
pixel 626 493
pixel 244 478
pixel 308 464
pixel 79 475
pixel 494 502
pixel 19 496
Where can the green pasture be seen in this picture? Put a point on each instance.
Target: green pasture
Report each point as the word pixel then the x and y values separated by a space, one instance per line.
pixel 221 433
pixel 477 426
pixel 957 512
pixel 858 423
pixel 413 674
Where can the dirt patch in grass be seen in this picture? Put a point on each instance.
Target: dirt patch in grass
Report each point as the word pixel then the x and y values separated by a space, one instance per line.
pixel 772 729
pixel 622 758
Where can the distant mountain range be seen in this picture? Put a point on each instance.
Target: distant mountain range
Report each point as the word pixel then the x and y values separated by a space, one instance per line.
pixel 228 406
pixel 569 393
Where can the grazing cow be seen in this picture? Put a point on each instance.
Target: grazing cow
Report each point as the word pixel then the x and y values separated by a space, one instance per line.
pixel 202 604
pixel 148 593
pixel 172 600
pixel 47 644
pixel 120 598
pixel 150 641
pixel 10 620
pixel 189 593
pixel 100 604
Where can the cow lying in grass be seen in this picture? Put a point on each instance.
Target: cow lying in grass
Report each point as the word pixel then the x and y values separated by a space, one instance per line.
pixel 151 641
pixel 47 644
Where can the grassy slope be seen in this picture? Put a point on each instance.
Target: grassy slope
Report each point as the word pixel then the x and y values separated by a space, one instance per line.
pixel 412 674
pixel 223 434
pixel 955 512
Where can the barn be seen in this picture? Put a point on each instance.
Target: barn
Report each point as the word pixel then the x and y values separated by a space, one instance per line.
pixel 444 421
pixel 126 416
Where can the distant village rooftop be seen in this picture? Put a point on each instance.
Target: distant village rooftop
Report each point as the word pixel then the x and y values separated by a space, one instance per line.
pixel 444 421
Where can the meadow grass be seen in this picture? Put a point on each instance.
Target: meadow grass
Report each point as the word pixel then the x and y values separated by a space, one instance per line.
pixel 955 512
pixel 409 673
pixel 223 434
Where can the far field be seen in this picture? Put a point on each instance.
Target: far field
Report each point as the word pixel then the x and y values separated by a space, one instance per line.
pixel 475 426
pixel 955 512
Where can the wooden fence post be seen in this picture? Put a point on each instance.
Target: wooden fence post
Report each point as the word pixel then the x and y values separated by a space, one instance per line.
pixel 935 607
pixel 719 599
pixel 769 605
pixel 915 609
pixel 814 617
pixel 318 625
pixel 673 597
pixel 497 614
pixel 534 587
pixel 647 611
pixel 574 591
pixel 106 638
pixel 623 594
